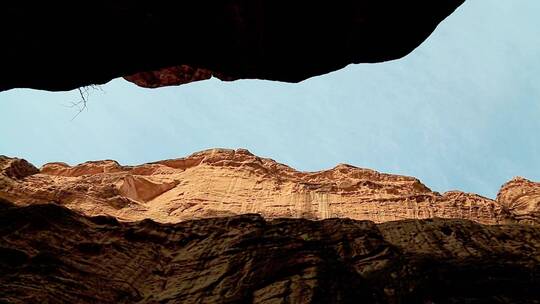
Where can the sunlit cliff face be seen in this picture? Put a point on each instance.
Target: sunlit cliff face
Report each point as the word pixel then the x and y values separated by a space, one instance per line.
pixel 221 182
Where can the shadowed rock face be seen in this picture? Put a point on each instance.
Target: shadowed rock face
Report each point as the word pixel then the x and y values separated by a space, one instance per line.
pixel 61 46
pixel 221 182
pixel 51 254
pixel 16 168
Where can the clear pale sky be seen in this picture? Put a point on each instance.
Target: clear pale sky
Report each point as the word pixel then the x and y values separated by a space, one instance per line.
pixel 460 112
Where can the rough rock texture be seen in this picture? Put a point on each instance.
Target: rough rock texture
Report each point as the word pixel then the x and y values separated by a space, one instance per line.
pixel 16 168
pixel 222 182
pixel 60 46
pixel 522 198
pixel 176 75
pixel 49 254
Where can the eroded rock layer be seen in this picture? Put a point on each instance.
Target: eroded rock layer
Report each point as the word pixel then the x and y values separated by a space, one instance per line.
pixel 223 182
pixel 59 46
pixel 49 254
pixel 522 198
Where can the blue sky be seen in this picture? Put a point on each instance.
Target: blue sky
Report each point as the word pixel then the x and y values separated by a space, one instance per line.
pixel 460 112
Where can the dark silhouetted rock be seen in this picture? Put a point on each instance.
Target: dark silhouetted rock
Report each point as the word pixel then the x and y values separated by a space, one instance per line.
pixel 64 45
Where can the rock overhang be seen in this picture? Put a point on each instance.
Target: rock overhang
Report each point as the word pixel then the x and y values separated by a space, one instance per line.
pixel 53 46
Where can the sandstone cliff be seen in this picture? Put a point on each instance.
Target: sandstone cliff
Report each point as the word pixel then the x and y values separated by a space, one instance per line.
pixel 265 233
pixel 522 198
pixel 222 182
pixel 49 254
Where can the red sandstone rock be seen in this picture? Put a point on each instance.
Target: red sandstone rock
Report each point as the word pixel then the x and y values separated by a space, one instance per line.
pixel 222 182
pixel 522 198
pixel 49 254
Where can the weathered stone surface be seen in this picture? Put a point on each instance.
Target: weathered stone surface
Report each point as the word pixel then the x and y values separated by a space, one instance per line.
pixel 16 168
pixel 176 75
pixel 61 46
pixel 49 254
pixel 521 197
pixel 223 182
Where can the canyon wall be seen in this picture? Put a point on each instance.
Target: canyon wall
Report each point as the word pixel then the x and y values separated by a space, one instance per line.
pixel 221 182
pixel 226 226
pixel 50 254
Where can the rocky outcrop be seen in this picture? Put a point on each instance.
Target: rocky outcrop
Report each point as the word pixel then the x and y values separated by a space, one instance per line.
pixel 16 168
pixel 49 254
pixel 221 182
pixel 59 46
pixel 521 197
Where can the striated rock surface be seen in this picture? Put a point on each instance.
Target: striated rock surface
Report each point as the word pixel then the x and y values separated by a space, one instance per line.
pixel 521 197
pixel 265 233
pixel 59 46
pixel 223 182
pixel 49 254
